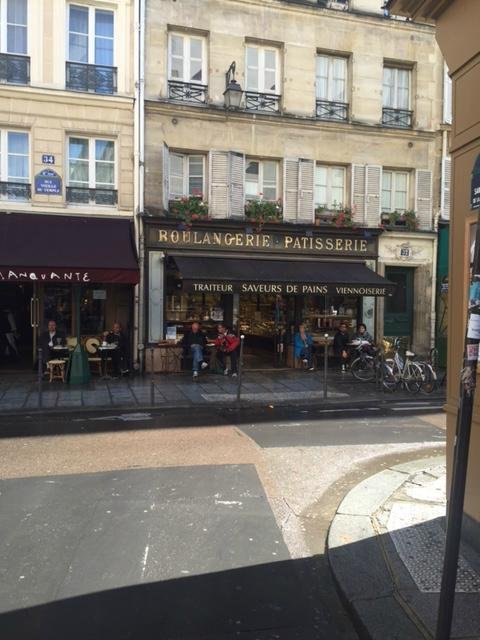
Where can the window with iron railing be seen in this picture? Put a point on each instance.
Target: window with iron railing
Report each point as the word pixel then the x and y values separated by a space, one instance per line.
pixel 396 98
pixel 187 73
pixel 262 87
pixel 331 87
pixel 14 165
pixel 14 61
pixel 91 171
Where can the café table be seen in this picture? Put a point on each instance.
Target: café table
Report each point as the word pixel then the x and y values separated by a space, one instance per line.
pixel 104 350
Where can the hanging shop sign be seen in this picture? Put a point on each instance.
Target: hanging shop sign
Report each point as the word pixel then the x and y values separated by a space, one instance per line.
pixel 48 183
pixel 293 243
pixel 475 191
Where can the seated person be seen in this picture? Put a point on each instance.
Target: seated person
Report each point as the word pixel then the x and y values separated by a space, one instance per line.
pixel 120 354
pixel 340 345
pixel 193 343
pixel 49 339
pixel 303 346
pixel 362 333
pixel 226 343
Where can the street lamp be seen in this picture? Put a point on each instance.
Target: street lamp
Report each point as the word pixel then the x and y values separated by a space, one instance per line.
pixel 233 91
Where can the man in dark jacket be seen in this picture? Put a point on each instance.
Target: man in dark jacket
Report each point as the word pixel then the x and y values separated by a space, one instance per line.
pixel 340 345
pixel 193 343
pixel 120 354
pixel 49 339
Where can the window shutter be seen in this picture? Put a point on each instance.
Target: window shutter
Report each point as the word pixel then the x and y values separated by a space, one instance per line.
pixel 237 185
pixel 218 205
pixel 290 189
pixel 447 96
pixel 305 207
pixel 166 176
pixel 423 198
pixel 373 187
pixel 446 181
pixel 358 193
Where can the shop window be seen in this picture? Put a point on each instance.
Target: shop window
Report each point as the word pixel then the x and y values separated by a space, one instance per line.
pixel 396 97
pixel 262 86
pixel 13 26
pixel 187 72
pixel 92 311
pixel 329 187
pixel 57 305
pixel 261 179
pixel 184 308
pixel 186 175
pixel 91 171
pixel 394 191
pixel 90 65
pixel 331 87
pixel 14 165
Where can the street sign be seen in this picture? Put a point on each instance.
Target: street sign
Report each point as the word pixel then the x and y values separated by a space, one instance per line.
pixel 47 158
pixel 48 183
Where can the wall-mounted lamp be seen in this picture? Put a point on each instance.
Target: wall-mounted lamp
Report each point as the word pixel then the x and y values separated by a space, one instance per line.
pixel 233 91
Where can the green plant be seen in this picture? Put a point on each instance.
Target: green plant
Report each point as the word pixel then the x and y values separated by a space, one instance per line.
pixel 261 211
pixel 189 209
pixel 405 219
pixel 410 218
pixel 343 218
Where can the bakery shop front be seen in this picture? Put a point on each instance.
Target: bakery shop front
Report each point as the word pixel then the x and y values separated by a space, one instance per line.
pixel 261 284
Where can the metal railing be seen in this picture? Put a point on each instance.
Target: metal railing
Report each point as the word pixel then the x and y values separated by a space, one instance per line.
pixel 328 110
pixel 84 195
pixel 15 190
pixel 93 78
pixel 255 101
pixel 14 69
pixel 187 91
pixel 398 118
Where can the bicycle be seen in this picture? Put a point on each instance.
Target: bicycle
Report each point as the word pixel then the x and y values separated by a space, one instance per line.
pixel 363 365
pixel 404 372
pixel 429 374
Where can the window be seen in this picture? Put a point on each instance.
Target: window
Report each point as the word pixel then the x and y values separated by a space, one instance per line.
pixel 396 88
pixel 261 179
pixel 331 78
pixel 14 165
pixel 90 36
pixel 91 166
pixel 13 20
pixel 186 58
pixel 329 186
pixel 394 191
pixel 186 175
pixel 262 70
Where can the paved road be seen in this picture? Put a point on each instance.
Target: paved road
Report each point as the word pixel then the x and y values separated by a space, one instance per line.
pixel 174 526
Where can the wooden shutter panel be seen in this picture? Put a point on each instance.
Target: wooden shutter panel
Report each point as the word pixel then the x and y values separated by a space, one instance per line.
pixel 373 189
pixel 237 185
pixel 306 179
pixel 446 181
pixel 166 176
pixel 423 198
pixel 290 189
pixel 358 193
pixel 219 173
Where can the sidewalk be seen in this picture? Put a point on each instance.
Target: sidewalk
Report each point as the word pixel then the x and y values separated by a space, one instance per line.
pixel 385 548
pixel 20 393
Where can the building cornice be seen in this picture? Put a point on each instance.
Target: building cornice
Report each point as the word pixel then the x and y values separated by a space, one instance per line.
pixel 46 94
pixel 419 9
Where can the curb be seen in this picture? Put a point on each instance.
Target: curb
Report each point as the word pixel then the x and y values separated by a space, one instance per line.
pixel 363 577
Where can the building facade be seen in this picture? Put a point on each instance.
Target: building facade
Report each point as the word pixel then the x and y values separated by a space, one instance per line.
pixel 67 167
pixel 337 138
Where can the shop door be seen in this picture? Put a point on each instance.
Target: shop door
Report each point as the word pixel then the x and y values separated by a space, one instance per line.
pixel 398 319
pixel 19 309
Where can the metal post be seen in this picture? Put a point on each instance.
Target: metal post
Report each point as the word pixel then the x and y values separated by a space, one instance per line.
pixel 325 368
pixel 152 381
pixel 40 377
pixel 240 368
pixel 468 379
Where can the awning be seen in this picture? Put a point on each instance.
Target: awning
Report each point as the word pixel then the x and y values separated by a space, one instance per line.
pixel 228 275
pixel 56 248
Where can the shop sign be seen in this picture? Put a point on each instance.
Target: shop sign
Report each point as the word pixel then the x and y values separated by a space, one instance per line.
pixel 99 294
pixel 269 242
pixel 285 288
pixel 475 191
pixel 48 183
pixel 32 274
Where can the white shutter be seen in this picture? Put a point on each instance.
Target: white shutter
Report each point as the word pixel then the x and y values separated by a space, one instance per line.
pixel 423 198
pixel 219 165
pixel 358 193
pixel 446 182
pixel 373 189
pixel 306 178
pixel 447 96
pixel 166 176
pixel 237 185
pixel 290 189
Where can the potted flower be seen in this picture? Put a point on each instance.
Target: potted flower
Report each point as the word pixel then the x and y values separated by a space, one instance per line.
pixel 260 212
pixel 189 209
pixel 403 219
pixel 343 218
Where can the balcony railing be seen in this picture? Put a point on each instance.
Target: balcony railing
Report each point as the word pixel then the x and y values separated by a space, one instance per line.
pixel 14 69
pixel 84 195
pixel 327 110
pixel 15 191
pixel 397 118
pixel 255 101
pixel 93 78
pixel 187 91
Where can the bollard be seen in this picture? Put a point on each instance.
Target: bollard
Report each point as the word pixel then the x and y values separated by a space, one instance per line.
pixel 152 381
pixel 325 367
pixel 40 377
pixel 240 367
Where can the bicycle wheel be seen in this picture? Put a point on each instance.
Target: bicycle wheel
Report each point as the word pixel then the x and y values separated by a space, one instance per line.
pixel 429 378
pixel 412 377
pixel 363 368
pixel 389 381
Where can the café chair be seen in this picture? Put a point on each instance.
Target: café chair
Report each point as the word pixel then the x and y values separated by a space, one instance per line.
pixel 91 347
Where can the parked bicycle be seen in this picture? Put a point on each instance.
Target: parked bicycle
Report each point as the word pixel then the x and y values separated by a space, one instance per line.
pixel 403 372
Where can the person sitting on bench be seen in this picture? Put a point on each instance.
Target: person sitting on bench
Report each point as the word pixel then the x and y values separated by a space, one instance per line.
pixel 193 343
pixel 226 344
